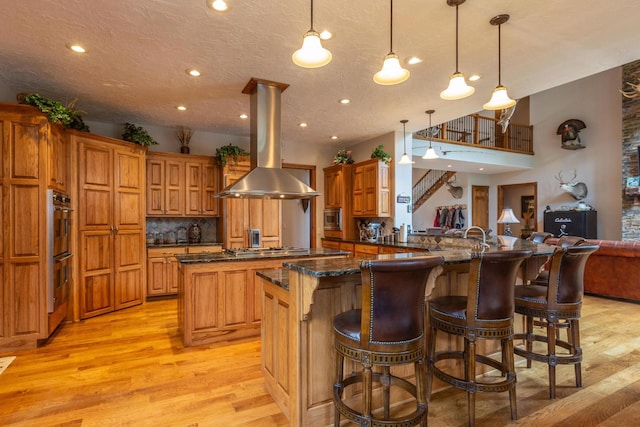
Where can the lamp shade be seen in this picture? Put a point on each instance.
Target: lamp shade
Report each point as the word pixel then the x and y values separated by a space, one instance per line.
pixel 430 154
pixel 392 72
pixel 457 89
pixel 405 160
pixel 507 217
pixel 311 54
pixel 499 99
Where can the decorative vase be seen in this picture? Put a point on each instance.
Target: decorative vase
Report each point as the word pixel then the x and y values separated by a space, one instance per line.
pixel 194 233
pixel 184 149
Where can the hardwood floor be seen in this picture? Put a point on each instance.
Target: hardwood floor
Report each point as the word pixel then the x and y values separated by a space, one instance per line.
pixel 129 368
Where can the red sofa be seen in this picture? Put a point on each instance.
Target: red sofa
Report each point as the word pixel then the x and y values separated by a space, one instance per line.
pixel 613 270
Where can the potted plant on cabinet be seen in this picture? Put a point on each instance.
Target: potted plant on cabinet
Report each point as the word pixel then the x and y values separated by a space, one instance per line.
pixel 184 136
pixel 226 151
pixel 137 135
pixel 379 153
pixel 68 115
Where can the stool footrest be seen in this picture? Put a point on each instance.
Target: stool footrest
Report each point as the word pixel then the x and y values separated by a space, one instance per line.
pixel 473 386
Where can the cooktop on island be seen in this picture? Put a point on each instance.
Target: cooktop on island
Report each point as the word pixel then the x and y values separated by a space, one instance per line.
pixel 284 250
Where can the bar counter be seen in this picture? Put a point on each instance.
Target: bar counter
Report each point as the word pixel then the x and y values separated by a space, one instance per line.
pixel 297 323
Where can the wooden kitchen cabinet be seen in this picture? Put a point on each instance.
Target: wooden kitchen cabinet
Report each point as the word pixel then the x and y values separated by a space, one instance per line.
pixel 25 136
pixel 239 215
pixel 338 195
pixel 371 189
pixel 111 223
pixel 162 270
pixel 181 185
pixel 58 176
pixel 365 250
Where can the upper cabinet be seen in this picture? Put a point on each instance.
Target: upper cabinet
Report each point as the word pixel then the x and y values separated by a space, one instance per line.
pixel 58 176
pixel 337 185
pixel 181 185
pixel 371 189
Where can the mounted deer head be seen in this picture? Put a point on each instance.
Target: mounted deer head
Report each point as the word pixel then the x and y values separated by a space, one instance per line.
pixel 455 190
pixel 578 190
pixel 635 89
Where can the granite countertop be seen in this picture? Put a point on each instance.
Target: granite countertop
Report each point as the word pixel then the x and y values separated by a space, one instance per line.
pixel 340 267
pixel 279 277
pixel 182 244
pixel 225 257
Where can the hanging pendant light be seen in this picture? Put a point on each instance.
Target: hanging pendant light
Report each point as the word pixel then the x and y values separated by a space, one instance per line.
pixel 392 72
pixel 499 98
pixel 458 87
pixel 311 54
pixel 405 159
pixel 430 154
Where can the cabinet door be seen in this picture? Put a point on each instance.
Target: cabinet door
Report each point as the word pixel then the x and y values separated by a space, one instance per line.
pixel 96 273
pixel 209 188
pixel 193 189
pixel 233 291
pixel 174 188
pixel 95 186
pixel 265 214
pixel 384 191
pixel 172 274
pixel 358 191
pixel 156 279
pixel 155 187
pixel 58 160
pixel 236 221
pixel 129 268
pixel 333 188
pixel 128 189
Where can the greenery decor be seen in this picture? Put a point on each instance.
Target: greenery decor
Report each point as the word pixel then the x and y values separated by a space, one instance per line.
pixel 67 116
pixel 232 151
pixel 343 158
pixel 137 135
pixel 379 153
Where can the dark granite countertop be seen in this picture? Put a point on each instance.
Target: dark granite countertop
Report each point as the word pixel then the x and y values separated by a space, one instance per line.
pixel 279 277
pixel 183 244
pixel 224 257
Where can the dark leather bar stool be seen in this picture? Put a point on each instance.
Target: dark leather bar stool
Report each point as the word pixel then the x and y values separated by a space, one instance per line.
pixel 387 331
pixel 557 305
pixel 486 313
pixel 531 267
pixel 564 242
pixel 539 236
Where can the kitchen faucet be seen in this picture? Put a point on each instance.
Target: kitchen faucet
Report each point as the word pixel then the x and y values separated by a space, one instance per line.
pixel 484 236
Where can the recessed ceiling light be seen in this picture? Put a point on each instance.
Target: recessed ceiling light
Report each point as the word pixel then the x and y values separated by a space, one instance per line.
pixel 449 166
pixel 334 137
pixel 474 77
pixel 181 108
pixel 243 116
pixel 326 35
pixel 481 169
pixel 414 60
pixel 218 5
pixel 302 125
pixel 76 48
pixel 192 72
pixel 344 101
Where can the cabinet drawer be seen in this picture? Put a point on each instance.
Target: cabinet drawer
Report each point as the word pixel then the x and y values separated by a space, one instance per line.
pixel 204 249
pixel 366 249
pixel 162 252
pixel 346 247
pixel 330 245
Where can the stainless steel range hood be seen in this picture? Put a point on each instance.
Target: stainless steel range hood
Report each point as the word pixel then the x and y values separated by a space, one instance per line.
pixel 267 179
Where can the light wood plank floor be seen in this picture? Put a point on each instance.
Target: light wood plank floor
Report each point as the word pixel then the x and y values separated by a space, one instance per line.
pixel 130 369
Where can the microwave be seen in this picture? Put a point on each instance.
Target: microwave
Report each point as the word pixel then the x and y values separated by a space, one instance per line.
pixel 333 219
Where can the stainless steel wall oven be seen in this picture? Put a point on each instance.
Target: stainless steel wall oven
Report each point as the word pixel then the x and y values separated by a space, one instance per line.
pixel 58 248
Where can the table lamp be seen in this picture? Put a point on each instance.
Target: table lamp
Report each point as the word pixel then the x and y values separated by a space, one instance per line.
pixel 507 217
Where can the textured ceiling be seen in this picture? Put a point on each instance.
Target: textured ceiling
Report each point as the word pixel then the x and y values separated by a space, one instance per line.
pixel 138 51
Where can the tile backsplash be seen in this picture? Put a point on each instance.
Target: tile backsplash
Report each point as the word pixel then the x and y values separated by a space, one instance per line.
pixel 158 226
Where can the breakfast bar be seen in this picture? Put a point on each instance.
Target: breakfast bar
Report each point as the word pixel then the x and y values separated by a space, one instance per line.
pixel 298 311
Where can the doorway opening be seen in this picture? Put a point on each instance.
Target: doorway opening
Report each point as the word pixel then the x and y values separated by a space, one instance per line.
pixel 523 200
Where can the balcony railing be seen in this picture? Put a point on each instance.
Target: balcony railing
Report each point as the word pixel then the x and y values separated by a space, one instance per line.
pixel 481 132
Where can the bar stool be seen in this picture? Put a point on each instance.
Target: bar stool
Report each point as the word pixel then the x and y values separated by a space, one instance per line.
pixel 557 305
pixel 486 312
pixel 531 267
pixel 387 331
pixel 564 242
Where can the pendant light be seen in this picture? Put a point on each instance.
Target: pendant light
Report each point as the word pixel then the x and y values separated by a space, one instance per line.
pixel 457 88
pixel 430 154
pixel 405 159
pixel 311 54
pixel 499 98
pixel 392 72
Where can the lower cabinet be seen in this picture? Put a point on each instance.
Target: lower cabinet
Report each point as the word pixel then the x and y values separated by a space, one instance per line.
pixel 162 268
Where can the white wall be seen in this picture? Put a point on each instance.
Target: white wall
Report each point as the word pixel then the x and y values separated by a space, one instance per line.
pixel 596 101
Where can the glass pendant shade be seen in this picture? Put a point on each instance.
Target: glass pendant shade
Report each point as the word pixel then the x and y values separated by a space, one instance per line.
pixel 311 54
pixel 430 154
pixel 392 72
pixel 458 88
pixel 499 99
pixel 405 160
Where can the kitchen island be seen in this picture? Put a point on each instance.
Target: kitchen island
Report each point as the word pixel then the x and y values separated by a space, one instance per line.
pixel 218 296
pixel 297 326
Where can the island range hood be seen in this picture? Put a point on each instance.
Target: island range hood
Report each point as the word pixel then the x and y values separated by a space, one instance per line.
pixel 267 179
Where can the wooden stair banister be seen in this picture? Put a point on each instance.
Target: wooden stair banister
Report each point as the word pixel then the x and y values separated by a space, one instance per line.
pixel 428 184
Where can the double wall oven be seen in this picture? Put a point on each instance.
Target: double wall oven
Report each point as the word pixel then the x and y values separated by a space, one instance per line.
pixel 59 248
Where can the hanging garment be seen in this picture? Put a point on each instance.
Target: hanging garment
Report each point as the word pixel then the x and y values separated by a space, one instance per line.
pixel 444 213
pixel 436 221
pixel 459 219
